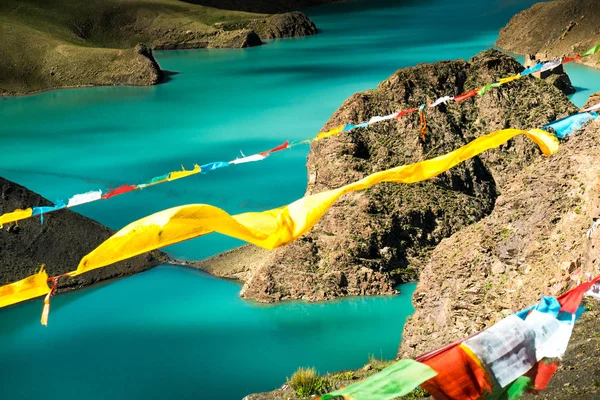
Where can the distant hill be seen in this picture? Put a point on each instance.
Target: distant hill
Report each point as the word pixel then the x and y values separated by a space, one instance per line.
pixel 554 29
pixel 261 6
pixel 50 44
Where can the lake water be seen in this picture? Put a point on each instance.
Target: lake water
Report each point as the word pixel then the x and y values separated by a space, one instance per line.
pixel 175 332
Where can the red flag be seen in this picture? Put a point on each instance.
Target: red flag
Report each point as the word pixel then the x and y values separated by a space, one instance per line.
pixel 459 376
pixel 278 148
pixel 119 190
pixel 569 59
pixel 403 113
pixel 541 374
pixel 571 300
pixel 464 96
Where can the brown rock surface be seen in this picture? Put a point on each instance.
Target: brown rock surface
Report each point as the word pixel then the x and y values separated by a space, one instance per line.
pixel 59 243
pixel 534 242
pixel 554 29
pixel 286 25
pixel 372 240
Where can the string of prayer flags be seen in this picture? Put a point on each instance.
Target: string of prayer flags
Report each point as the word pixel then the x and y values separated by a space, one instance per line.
pixel 395 381
pixel 274 228
pixel 566 126
pixel 500 363
pixel 84 198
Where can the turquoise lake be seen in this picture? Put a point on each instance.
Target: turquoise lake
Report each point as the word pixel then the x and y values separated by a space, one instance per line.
pixel 175 332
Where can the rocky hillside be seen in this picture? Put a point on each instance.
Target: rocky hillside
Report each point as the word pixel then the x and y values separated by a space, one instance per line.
pixel 261 6
pixel 59 243
pixel 533 242
pixel 74 43
pixel 554 29
pixel 370 241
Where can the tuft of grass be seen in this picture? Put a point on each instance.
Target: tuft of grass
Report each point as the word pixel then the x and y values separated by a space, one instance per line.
pixel 344 376
pixel 418 393
pixel 306 382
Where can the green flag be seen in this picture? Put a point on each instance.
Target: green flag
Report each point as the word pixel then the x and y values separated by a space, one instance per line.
pixel 591 51
pixel 396 380
pixel 515 390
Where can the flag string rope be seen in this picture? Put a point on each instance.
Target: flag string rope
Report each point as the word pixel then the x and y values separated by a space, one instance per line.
pixel 96 195
pixel 268 229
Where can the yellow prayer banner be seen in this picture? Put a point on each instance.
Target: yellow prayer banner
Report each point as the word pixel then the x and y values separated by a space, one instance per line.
pixel 273 228
pixel 183 173
pixel 15 216
pixel 29 288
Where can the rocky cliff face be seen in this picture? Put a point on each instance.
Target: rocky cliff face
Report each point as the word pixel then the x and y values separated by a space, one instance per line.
pixel 59 243
pixel 370 241
pixel 532 243
pixel 554 29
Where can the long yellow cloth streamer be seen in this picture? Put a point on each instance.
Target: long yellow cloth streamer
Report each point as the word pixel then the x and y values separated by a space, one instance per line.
pixel 15 216
pixel 273 228
pixel 25 289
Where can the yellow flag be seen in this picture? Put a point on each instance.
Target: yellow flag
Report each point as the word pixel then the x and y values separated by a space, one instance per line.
pixel 183 173
pixel 331 132
pixel 273 228
pixel 510 79
pixel 14 216
pixel 31 287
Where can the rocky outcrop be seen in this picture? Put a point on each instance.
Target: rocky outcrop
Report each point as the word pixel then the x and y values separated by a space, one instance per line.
pixel 287 25
pixel 554 29
pixel 372 240
pixel 534 242
pixel 59 243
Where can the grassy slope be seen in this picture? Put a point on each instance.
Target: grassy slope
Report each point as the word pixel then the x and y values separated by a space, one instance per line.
pixel 262 6
pixel 58 43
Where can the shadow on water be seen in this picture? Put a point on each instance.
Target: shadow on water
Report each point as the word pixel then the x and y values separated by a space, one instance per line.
pixel 168 76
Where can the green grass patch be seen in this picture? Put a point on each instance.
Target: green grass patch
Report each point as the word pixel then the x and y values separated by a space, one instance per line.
pixel 306 382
